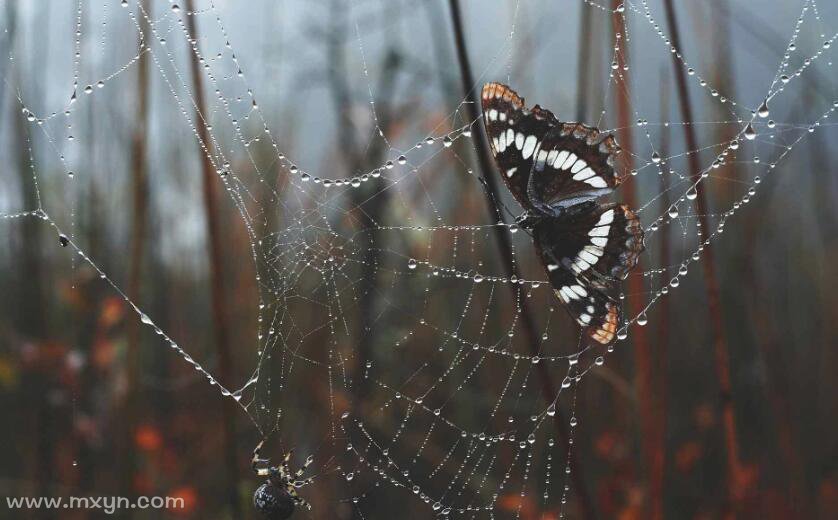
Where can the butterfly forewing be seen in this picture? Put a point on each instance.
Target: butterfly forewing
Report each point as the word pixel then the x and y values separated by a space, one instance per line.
pixel 574 164
pixel 515 133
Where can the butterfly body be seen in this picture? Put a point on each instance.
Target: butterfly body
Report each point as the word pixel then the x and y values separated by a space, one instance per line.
pixel 557 171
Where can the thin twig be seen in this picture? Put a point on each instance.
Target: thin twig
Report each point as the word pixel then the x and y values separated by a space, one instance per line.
pixel 722 355
pixel 139 195
pixel 548 388
pixel 221 326
pixel 657 472
pixel 640 337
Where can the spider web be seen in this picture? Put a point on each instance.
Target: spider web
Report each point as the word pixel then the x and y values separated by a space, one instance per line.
pixel 362 245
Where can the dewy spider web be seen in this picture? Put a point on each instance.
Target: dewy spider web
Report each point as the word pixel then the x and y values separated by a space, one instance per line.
pixel 357 274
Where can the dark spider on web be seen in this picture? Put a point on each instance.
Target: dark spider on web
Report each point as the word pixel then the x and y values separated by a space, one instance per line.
pixel 277 498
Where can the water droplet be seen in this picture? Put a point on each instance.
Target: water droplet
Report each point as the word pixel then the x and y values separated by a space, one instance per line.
pixel 656 158
pixel 411 264
pixel 692 193
pixel 642 319
pixel 762 111
pixel 478 278
pixel 402 159
pixel 750 133
pixel 446 141
pixel 599 361
pixel 175 8
pixel 63 240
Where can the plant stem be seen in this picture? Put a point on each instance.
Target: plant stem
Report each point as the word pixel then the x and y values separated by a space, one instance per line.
pixel 220 320
pixel 640 337
pixel 722 356
pixel 548 388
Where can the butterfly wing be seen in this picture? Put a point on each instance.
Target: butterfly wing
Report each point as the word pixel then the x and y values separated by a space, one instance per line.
pixel 586 252
pixel 515 133
pixel 574 164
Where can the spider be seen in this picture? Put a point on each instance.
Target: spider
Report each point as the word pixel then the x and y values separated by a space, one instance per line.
pixel 277 498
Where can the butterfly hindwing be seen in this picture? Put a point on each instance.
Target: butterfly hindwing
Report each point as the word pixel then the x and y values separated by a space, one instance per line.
pixel 574 164
pixel 593 241
pixel 515 133
pixel 586 252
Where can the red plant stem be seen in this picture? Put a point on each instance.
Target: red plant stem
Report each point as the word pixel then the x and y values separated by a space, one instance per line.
pixel 658 471
pixel 639 334
pixel 548 388
pixel 220 320
pixel 722 356
pixel 139 177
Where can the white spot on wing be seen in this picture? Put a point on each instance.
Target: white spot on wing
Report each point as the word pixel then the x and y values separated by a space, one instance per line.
pixel 594 250
pixel 588 257
pixel 599 241
pixel 529 146
pixel 578 289
pixel 607 217
pixel 510 172
pixel 493 114
pixel 539 162
pixel 557 164
pixel 597 182
pixel 569 162
pixel 578 165
pixel 584 174
pixel 599 231
pixel 519 140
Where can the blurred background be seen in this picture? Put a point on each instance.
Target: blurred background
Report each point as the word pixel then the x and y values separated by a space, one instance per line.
pixel 288 196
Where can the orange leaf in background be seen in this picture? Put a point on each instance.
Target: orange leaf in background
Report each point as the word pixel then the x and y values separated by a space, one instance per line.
pixel 104 354
pixel 687 455
pixel 511 503
pixel 143 484
pixel 608 445
pixel 705 416
pixel 148 438
pixel 189 496
pixel 112 311
pixel 8 373
pixel 828 498
pixel 747 478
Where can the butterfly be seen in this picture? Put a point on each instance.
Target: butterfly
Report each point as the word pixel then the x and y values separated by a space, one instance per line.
pixel 557 171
